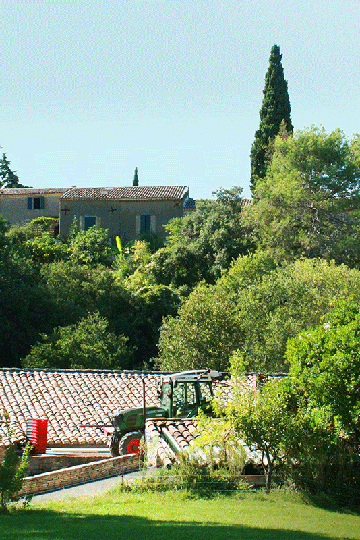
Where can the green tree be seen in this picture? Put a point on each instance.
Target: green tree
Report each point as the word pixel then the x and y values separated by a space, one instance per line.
pixel 150 304
pixel 76 290
pixel 254 309
pixel 45 248
pixel 325 364
pixel 275 110
pixel 307 205
pixel 326 361
pixel 26 308
pixel 277 301
pixel 136 178
pixel 86 345
pixel 8 178
pixel 204 334
pixel 202 244
pixel 91 247
pixel 12 470
pixel 4 228
pixel 262 420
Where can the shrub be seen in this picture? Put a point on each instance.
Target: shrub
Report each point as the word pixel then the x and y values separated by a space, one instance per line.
pixel 12 470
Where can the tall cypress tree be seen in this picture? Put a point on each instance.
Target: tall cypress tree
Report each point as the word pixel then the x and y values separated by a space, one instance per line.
pixel 275 109
pixel 136 178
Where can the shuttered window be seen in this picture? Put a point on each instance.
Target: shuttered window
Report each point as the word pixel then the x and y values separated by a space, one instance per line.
pixel 36 203
pixel 89 221
pixel 145 224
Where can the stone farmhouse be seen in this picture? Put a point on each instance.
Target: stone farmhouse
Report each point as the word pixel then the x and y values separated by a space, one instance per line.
pixel 127 212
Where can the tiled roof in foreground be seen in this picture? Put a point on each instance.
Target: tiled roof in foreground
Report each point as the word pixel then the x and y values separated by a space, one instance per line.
pixel 70 399
pixel 182 432
pixel 130 193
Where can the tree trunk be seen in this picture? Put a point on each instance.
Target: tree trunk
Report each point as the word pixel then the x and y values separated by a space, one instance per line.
pixel 268 475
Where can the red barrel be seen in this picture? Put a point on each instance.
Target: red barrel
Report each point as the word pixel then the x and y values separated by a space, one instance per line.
pixel 36 432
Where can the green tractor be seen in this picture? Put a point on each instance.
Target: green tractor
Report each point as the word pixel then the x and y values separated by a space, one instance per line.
pixel 181 396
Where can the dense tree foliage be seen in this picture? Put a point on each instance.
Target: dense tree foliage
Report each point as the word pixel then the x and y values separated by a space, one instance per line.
pixel 294 436
pixel 149 305
pixel 262 420
pixel 8 178
pixel 25 303
pixel 254 308
pixel 281 302
pixel 326 361
pixel 86 345
pixel 307 205
pixel 232 282
pixel 204 334
pixel 275 111
pixel 203 243
pixel 43 289
pixel 91 247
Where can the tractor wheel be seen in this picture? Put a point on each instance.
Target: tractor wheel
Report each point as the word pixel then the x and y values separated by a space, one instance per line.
pixel 131 443
pixel 114 445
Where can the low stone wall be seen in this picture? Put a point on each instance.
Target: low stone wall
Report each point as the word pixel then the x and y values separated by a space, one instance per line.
pixel 254 479
pixel 47 463
pixel 79 474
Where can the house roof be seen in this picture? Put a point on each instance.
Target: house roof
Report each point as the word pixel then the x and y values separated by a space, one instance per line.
pixel 131 193
pixel 182 431
pixel 11 192
pixel 71 399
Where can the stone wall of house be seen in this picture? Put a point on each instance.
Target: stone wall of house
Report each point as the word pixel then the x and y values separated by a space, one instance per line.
pixel 123 222
pixel 15 208
pixel 79 474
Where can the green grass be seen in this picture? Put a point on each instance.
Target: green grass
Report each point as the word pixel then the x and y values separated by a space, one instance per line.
pixel 169 516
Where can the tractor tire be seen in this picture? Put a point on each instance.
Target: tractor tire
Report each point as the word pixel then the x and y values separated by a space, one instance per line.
pixel 131 443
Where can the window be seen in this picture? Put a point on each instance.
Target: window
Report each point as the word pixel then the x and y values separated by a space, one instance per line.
pixel 144 224
pixel 89 221
pixel 35 203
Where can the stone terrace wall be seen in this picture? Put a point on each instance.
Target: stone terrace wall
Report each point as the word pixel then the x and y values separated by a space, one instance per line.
pixel 79 474
pixel 48 463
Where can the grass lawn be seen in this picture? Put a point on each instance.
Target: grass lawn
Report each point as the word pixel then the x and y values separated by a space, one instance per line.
pixel 132 516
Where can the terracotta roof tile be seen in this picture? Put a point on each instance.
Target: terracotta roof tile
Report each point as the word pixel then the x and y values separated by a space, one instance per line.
pixel 69 399
pixel 32 191
pixel 131 193
pixel 182 431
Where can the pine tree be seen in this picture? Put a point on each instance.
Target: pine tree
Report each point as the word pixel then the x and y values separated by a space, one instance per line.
pixel 275 109
pixel 8 178
pixel 136 178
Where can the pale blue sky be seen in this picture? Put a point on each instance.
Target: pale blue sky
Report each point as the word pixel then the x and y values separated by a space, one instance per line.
pixel 92 89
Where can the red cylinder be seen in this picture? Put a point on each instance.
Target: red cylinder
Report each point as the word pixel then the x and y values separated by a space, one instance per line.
pixel 36 431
